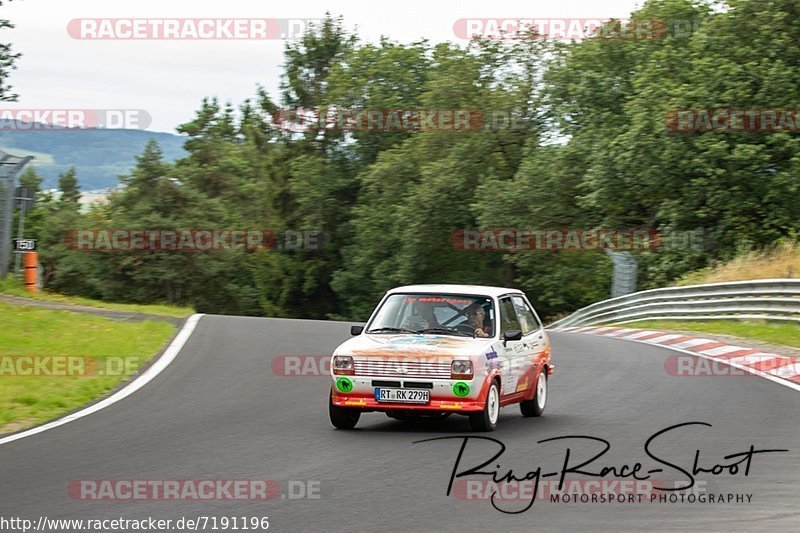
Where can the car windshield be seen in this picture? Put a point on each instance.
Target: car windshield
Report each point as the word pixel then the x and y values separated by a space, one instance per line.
pixel 435 314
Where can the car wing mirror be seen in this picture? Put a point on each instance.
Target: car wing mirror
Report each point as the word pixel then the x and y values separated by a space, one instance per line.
pixel 356 330
pixel 512 335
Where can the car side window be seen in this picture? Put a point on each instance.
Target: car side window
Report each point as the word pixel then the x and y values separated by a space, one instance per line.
pixel 527 318
pixel 508 316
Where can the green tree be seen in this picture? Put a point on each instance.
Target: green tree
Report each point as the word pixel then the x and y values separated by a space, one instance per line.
pixel 65 270
pixel 31 180
pixel 419 193
pixel 8 62
pixel 574 135
pixel 310 183
pixel 70 191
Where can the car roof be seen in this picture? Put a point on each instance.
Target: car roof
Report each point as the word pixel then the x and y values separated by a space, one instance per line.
pixel 478 290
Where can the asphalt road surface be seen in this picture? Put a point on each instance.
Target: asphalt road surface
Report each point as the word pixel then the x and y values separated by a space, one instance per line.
pixel 220 412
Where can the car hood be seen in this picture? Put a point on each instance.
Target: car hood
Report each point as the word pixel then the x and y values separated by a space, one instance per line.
pixel 413 345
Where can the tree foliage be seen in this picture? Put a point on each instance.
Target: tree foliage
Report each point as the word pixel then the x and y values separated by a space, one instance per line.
pixel 589 148
pixel 8 62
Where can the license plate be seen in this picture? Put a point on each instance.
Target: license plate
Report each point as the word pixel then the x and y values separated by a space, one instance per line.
pixel 403 395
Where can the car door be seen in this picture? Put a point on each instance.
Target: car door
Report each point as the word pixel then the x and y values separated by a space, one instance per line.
pixel 517 357
pixel 533 339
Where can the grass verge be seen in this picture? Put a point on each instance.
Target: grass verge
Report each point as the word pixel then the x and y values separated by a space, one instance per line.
pixel 93 355
pixel 778 261
pixel 785 334
pixel 16 288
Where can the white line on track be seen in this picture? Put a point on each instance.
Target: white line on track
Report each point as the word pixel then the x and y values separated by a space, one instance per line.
pixel 155 369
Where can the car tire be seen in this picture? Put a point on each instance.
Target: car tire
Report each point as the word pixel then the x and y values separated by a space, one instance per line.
pixel 487 419
pixel 535 406
pixel 342 417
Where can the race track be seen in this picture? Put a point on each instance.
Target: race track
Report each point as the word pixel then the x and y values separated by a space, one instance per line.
pixel 219 411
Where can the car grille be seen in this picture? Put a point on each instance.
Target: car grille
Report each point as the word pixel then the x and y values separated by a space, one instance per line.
pixel 408 368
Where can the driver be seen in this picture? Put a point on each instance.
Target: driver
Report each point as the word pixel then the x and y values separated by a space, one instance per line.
pixel 476 315
pixel 422 317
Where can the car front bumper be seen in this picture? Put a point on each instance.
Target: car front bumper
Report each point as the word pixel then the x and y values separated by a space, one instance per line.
pixel 442 397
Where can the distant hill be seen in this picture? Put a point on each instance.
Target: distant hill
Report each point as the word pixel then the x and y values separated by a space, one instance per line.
pixel 99 156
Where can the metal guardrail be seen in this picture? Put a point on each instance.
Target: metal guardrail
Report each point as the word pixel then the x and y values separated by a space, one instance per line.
pixel 771 299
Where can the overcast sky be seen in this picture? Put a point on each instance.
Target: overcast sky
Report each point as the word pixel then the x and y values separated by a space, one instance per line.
pixel 168 79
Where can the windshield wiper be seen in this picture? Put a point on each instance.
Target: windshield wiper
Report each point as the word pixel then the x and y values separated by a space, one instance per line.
pixel 446 331
pixel 392 330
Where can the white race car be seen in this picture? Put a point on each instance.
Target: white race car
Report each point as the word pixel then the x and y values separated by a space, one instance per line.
pixel 432 350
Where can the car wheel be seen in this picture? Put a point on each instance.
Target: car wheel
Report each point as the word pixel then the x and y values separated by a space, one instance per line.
pixel 535 407
pixel 342 417
pixel 486 420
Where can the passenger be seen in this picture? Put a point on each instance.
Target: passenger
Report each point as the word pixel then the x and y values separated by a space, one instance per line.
pixel 476 315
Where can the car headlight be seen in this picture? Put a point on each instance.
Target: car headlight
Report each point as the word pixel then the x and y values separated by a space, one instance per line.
pixel 343 365
pixel 461 369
